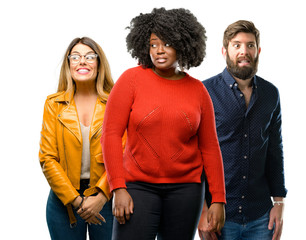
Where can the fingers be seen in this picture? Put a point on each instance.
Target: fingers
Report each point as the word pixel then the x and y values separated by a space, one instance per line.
pixel 89 214
pixel 122 205
pixel 278 230
pixel 216 217
pixel 119 214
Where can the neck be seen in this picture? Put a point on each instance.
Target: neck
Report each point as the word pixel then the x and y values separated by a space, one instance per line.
pixel 244 84
pixel 86 88
pixel 173 74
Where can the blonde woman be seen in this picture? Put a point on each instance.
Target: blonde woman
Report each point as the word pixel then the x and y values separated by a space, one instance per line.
pixel 70 150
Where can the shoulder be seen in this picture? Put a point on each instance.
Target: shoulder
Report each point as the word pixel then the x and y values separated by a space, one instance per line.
pixel 57 97
pixel 210 82
pixel 134 71
pixel 195 83
pixel 266 87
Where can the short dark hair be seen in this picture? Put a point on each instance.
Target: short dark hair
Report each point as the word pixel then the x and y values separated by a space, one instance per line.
pixel 178 27
pixel 237 27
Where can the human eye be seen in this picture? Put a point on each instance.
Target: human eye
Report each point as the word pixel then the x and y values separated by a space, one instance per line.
pixel 90 56
pixel 75 57
pixel 153 45
pixel 167 44
pixel 251 45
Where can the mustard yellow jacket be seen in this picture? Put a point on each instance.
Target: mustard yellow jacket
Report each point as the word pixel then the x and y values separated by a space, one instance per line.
pixel 61 148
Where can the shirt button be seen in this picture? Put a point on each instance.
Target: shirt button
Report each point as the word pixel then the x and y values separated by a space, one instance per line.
pixel 245 157
pixel 231 85
pixel 244 177
pixel 240 207
pixel 235 84
pixel 242 197
pixel 241 95
pixel 239 211
pixel 245 135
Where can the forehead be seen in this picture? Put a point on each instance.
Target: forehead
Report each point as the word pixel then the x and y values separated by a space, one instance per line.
pixel 244 37
pixel 81 48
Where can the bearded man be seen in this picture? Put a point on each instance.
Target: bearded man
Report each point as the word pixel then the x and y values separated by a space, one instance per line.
pixel 248 121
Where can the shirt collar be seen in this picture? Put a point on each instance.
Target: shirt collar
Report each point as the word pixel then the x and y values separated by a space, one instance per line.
pixel 231 82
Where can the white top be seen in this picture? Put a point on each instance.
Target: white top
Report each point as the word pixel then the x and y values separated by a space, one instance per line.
pixel 85 169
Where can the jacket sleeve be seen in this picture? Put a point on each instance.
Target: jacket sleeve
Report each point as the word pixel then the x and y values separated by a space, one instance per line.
pixel 49 158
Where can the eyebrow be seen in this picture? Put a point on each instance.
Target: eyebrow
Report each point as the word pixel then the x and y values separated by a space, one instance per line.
pixel 74 52
pixel 240 42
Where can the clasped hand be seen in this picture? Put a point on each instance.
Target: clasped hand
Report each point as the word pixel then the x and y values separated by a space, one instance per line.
pixel 91 207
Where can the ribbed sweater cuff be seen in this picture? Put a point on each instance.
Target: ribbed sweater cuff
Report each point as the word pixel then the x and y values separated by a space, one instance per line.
pixel 117 183
pixel 218 197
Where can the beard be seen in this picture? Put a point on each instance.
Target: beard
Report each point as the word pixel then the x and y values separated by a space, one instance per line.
pixel 243 73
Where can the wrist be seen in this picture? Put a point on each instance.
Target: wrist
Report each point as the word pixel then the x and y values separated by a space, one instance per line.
pixel 77 202
pixel 280 202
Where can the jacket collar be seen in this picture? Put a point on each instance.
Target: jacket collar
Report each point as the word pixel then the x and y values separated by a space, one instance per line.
pixel 69 116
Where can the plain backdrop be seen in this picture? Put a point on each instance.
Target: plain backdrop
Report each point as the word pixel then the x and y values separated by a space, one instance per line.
pixel 34 37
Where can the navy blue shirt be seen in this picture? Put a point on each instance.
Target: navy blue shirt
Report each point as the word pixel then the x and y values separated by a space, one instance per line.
pixel 251 145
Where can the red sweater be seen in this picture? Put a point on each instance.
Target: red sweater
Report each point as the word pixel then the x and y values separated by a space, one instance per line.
pixel 171 132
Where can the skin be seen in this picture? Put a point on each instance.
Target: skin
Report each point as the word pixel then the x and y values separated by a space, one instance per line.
pixel 84 75
pixel 163 56
pixel 240 50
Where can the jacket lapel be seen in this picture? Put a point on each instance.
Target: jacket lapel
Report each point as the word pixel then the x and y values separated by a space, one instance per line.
pixel 97 120
pixel 68 116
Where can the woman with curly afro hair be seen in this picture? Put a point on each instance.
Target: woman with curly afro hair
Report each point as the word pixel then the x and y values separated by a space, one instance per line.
pixel 171 134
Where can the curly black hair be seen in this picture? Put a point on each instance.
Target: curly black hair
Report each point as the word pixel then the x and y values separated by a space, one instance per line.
pixel 178 27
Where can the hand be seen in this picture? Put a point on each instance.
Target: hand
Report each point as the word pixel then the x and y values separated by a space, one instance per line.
pixel 276 217
pixel 91 208
pixel 216 217
pixel 203 226
pixel 122 205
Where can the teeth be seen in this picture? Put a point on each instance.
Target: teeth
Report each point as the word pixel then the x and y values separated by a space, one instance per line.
pixel 83 70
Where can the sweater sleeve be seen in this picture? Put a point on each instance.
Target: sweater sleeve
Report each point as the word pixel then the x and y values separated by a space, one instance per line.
pixel 211 153
pixel 115 122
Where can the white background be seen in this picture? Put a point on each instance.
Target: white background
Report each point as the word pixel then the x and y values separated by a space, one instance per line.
pixel 34 37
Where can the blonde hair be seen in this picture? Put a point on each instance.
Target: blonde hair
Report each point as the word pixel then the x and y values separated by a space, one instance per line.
pixel 104 81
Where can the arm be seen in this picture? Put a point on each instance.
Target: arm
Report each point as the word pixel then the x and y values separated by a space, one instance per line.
pixel 114 125
pixel 275 173
pixel 213 165
pixel 49 158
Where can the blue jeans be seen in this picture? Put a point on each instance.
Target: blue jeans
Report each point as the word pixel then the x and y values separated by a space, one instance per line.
pixel 254 230
pixel 168 211
pixel 59 224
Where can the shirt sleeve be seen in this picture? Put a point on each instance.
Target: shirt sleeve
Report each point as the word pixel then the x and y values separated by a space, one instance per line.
pixel 115 122
pixel 210 149
pixel 275 159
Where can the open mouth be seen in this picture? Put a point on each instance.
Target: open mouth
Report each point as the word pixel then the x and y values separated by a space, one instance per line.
pixel 243 62
pixel 83 70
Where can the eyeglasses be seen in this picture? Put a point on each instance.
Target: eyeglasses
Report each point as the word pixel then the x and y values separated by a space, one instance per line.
pixel 89 58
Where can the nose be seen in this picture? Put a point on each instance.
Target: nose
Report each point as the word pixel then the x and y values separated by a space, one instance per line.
pixel 82 60
pixel 243 49
pixel 160 49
